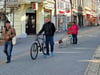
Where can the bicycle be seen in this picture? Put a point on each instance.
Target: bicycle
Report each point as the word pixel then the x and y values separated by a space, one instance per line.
pixel 38 46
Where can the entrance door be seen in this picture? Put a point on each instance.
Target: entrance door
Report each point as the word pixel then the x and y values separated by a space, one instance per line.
pixel 80 17
pixel 31 23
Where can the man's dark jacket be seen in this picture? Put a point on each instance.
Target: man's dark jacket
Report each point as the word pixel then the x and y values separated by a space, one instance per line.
pixel 48 29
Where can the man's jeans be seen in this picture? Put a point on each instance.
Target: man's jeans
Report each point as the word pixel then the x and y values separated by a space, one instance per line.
pixel 49 40
pixel 8 50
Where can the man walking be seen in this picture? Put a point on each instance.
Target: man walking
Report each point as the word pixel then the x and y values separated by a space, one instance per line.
pixel 49 30
pixel 8 34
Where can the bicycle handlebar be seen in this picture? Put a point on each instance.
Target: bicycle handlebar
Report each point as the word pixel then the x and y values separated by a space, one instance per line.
pixel 42 38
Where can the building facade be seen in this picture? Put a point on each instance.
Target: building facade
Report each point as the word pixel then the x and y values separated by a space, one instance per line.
pixel 84 12
pixel 63 14
pixel 32 15
pixel 77 12
pixel 90 8
pixel 29 16
pixel 98 12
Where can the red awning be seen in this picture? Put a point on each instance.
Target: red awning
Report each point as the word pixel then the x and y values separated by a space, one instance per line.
pixel 61 12
pixel 88 15
pixel 68 11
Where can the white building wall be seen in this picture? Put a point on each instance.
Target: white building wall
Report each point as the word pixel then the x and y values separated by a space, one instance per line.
pixel 98 11
pixel 41 20
pixel 48 6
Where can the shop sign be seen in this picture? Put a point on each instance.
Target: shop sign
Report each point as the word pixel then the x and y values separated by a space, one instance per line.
pixel 49 5
pixel 35 6
pixel 12 3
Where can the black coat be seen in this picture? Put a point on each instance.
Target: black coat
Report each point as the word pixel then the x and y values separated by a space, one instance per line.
pixel 48 29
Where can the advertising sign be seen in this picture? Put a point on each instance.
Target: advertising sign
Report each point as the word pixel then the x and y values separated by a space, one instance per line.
pixel 11 3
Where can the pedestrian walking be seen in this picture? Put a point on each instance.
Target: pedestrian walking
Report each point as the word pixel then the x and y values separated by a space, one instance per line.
pixel 49 30
pixel 74 32
pixel 8 35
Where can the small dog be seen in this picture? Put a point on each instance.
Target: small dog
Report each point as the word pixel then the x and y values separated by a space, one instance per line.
pixel 60 42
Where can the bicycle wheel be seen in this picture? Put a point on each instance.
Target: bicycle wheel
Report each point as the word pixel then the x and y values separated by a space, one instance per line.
pixel 34 51
pixel 43 48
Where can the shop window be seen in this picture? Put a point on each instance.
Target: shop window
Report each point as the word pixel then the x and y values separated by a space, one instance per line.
pixel 62 23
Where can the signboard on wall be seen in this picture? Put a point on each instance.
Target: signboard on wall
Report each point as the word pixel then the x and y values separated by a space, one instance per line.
pixel 35 6
pixel 49 6
pixel 12 3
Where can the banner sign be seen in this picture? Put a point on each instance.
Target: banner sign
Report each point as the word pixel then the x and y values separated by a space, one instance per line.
pixel 12 3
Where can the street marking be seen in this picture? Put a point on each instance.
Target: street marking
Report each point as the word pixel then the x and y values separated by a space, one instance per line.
pixel 27 53
pixel 83 48
pixel 2 62
pixel 93 61
pixel 66 52
pixel 15 57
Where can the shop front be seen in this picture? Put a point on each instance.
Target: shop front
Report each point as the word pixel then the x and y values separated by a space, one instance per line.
pixel 62 23
pixel 30 21
pixel 87 13
pixel 63 14
pixel 80 16
pixel 94 20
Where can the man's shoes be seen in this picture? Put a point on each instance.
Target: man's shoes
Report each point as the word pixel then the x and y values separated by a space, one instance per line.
pixel 52 53
pixel 8 59
pixel 46 56
pixel 8 62
pixel 74 42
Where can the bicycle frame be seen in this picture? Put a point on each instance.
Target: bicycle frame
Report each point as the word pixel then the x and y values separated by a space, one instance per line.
pixel 37 46
pixel 38 42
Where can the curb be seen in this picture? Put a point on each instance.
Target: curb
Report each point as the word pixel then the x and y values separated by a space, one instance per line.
pixel 94 64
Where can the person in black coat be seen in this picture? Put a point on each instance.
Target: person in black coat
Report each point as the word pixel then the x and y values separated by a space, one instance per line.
pixel 49 30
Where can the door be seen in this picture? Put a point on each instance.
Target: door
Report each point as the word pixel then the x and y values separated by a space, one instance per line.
pixel 80 17
pixel 31 23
